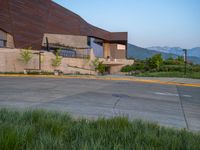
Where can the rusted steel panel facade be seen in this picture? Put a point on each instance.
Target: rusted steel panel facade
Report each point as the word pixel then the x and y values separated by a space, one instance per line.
pixel 28 20
pixel 5 21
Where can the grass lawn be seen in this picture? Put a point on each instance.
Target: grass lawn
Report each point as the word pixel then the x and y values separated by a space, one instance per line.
pixel 49 130
pixel 194 75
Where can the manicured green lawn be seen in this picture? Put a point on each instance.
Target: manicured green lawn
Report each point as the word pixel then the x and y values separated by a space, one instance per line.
pixel 194 75
pixel 47 130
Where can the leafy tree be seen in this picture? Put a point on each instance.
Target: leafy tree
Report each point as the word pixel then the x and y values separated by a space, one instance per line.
pixel 95 63
pixel 57 60
pixel 180 59
pixel 155 62
pixel 26 55
pixel 99 66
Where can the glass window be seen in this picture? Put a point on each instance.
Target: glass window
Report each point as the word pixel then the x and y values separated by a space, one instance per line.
pixel 2 39
pixel 1 43
pixel 97 46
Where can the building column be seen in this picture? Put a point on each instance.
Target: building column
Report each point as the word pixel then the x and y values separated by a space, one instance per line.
pixel 106 50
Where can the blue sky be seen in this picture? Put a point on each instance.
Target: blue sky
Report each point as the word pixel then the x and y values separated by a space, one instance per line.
pixel 148 22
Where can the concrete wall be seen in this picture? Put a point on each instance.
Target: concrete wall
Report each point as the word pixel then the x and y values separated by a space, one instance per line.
pixel 113 51
pixel 67 40
pixel 10 62
pixel 106 50
pixel 10 41
pixel 117 53
pixel 117 64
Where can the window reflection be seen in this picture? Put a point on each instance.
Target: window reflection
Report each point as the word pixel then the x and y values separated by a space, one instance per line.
pixel 97 46
pixel 2 39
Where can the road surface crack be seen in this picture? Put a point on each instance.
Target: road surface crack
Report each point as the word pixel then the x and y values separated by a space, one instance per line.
pixel 116 103
pixel 182 108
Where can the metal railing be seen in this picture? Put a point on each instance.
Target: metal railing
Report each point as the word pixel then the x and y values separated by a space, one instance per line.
pixel 67 51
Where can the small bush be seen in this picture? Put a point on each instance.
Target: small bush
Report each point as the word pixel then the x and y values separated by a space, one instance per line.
pixel 127 68
pixel 195 68
pixel 171 61
pixel 99 66
pixel 171 68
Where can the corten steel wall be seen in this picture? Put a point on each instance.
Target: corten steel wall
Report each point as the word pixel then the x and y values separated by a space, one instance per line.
pixel 115 53
pixel 28 20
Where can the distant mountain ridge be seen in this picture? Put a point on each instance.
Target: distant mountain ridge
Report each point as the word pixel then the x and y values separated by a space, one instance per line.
pixel 176 50
pixel 143 53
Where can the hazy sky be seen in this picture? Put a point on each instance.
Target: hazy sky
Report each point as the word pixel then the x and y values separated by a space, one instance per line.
pixel 148 22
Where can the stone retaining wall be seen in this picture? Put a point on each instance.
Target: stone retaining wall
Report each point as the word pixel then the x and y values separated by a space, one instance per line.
pixel 10 62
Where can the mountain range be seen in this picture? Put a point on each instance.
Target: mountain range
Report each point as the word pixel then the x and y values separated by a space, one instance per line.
pixel 176 50
pixel 143 53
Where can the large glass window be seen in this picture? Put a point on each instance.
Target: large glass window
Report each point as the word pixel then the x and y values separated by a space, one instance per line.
pixel 2 39
pixel 1 44
pixel 97 46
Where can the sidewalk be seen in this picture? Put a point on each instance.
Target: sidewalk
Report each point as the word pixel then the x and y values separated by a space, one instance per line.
pixel 156 80
pixel 163 79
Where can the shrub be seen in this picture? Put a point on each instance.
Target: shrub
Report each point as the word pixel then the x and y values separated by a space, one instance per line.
pixel 172 68
pixel 127 68
pixel 195 68
pixel 140 65
pixel 137 66
pixel 99 66
pixel 180 60
pixel 171 61
pixel 154 62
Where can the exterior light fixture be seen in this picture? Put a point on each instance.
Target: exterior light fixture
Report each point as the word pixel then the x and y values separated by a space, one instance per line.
pixel 185 60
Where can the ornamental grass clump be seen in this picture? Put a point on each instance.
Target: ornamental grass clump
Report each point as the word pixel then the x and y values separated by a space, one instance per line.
pixel 39 129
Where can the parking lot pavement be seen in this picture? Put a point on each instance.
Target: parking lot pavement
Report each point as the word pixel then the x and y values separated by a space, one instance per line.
pixel 168 105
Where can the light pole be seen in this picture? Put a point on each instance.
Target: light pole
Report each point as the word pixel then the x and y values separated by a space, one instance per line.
pixel 185 59
pixel 40 59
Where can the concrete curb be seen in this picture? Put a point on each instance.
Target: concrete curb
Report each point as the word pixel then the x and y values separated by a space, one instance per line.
pixel 105 78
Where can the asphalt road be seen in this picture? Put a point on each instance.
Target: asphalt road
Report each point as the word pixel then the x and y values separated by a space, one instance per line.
pixel 169 105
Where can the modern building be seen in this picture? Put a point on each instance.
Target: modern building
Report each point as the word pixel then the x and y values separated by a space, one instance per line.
pixel 43 24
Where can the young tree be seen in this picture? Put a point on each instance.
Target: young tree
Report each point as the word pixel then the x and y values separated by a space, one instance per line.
pixel 25 57
pixel 180 60
pixel 155 62
pixel 95 64
pixel 99 66
pixel 56 62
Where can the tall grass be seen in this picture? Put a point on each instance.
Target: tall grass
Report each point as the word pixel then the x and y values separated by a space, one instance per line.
pixel 39 129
